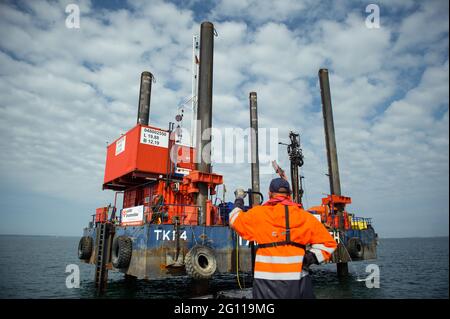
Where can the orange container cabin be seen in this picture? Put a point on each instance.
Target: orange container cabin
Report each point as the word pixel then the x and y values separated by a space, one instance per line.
pixel 143 153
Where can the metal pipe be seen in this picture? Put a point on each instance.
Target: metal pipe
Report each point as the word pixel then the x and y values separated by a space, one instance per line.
pixel 254 145
pixel 253 198
pixel 333 167
pixel 145 91
pixel 204 112
pixel 330 140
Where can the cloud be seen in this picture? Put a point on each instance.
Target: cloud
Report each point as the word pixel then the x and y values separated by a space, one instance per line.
pixel 258 11
pixel 430 20
pixel 355 50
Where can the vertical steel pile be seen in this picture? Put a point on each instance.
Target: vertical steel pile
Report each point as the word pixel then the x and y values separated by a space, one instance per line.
pixel 145 91
pixel 204 112
pixel 333 168
pixel 254 145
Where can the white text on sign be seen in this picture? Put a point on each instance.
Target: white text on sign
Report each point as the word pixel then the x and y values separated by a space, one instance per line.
pixel 169 234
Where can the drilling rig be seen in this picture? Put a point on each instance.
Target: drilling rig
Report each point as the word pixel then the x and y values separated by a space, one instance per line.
pixel 168 222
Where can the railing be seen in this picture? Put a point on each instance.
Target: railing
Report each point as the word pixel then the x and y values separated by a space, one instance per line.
pixel 186 214
pixel 349 221
pixel 157 211
pixel 360 223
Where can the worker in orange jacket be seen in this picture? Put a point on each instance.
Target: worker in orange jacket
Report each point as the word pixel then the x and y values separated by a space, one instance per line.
pixel 282 231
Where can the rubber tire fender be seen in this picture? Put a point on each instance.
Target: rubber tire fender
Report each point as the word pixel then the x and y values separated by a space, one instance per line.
pixel 200 262
pixel 355 248
pixel 85 248
pixel 122 249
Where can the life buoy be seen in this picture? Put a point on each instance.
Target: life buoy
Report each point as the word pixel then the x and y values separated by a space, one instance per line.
pixel 122 249
pixel 355 248
pixel 200 262
pixel 85 247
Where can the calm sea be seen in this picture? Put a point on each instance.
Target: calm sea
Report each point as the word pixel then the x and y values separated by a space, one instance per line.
pixel 34 267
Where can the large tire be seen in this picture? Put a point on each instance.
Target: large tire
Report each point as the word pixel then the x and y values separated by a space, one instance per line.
pixel 355 248
pixel 85 247
pixel 200 262
pixel 122 249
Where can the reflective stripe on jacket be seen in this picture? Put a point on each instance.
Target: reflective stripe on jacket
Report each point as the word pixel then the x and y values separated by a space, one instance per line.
pixel 267 224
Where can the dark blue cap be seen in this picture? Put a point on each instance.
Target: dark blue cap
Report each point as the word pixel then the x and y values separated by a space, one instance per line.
pixel 277 183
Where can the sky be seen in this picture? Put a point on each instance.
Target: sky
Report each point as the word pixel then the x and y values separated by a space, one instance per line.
pixel 67 92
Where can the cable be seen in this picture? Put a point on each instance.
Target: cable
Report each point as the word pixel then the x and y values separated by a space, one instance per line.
pixel 237 261
pixel 304 192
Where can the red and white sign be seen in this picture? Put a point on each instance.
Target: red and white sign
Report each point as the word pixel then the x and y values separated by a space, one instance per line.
pixel 133 216
pixel 120 145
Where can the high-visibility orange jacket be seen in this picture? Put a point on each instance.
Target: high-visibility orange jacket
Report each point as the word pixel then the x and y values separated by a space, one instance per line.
pixel 267 224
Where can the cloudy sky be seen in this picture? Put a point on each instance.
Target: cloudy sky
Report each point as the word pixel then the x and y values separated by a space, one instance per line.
pixel 66 92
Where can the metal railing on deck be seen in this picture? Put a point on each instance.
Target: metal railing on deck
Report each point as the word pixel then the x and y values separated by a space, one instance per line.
pixel 158 212
pixel 360 223
pixel 189 217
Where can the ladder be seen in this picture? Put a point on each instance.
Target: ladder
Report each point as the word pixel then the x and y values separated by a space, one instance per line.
pixel 103 244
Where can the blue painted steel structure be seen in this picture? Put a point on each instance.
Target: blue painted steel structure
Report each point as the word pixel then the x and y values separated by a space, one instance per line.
pixel 155 248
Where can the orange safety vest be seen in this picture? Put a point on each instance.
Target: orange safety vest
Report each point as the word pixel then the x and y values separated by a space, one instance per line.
pixel 281 233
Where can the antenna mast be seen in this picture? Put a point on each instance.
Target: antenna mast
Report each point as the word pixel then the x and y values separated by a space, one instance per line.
pixel 194 94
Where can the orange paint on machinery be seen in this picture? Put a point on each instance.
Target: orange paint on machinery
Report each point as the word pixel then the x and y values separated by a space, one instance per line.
pixel 328 211
pixel 101 214
pixel 143 150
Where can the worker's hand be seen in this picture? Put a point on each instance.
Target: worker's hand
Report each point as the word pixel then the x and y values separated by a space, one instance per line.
pixel 239 202
pixel 240 193
pixel 309 259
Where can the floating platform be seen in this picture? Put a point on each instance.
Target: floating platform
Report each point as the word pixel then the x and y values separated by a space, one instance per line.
pixel 160 251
